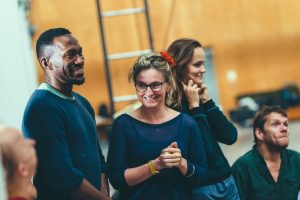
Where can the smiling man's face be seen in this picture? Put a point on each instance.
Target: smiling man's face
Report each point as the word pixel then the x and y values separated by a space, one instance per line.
pixel 67 60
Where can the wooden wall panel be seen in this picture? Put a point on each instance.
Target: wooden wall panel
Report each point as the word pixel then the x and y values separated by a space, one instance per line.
pixel 260 40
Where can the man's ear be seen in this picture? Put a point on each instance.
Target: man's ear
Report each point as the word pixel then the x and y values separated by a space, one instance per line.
pixel 23 169
pixel 259 134
pixel 45 62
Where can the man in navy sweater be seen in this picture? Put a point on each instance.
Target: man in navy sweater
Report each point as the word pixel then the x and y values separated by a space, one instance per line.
pixel 71 164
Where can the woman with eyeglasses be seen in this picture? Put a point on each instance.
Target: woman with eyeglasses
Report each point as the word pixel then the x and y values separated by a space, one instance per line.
pixel 155 152
pixel 192 97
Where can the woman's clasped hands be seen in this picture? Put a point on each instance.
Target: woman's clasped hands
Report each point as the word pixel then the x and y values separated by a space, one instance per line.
pixel 171 157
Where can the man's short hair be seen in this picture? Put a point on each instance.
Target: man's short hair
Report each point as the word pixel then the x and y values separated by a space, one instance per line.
pixel 261 117
pixel 46 38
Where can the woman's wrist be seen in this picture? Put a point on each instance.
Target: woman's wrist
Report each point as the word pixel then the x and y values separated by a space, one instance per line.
pixel 156 164
pixel 183 166
pixel 153 170
pixel 205 99
pixel 194 105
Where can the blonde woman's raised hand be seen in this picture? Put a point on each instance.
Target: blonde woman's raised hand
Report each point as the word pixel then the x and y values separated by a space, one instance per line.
pixel 169 157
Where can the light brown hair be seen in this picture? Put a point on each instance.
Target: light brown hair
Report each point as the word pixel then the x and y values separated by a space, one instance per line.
pixel 182 51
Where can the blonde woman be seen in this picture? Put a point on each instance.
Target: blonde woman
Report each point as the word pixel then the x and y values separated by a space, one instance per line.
pixel 155 152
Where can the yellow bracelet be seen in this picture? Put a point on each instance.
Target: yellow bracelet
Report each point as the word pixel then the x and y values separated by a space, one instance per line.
pixel 152 169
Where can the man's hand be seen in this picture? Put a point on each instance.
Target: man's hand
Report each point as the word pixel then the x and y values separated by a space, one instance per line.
pixel 88 192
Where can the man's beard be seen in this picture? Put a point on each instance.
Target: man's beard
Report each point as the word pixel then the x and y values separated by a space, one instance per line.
pixel 77 81
pixel 276 147
pixel 71 80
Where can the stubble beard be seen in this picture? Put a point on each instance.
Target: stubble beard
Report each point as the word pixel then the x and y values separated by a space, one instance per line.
pixel 276 147
pixel 70 79
pixel 78 81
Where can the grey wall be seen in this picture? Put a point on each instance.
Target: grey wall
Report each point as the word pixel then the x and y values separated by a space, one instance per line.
pixel 210 76
pixel 3 195
pixel 17 68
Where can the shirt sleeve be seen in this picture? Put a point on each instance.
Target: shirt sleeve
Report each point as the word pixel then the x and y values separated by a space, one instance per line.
pixel 197 162
pixel 241 179
pixel 90 109
pixel 46 125
pixel 102 159
pixel 221 127
pixel 116 159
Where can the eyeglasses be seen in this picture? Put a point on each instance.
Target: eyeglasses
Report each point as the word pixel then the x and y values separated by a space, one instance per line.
pixel 142 87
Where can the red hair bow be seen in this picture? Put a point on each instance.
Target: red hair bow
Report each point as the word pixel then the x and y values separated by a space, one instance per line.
pixel 168 58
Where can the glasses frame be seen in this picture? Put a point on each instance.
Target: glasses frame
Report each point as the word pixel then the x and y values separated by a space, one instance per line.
pixel 151 85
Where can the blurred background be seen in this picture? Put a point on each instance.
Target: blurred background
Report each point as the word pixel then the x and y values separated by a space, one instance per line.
pixel 253 51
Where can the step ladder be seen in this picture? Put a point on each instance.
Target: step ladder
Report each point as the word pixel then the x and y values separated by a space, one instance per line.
pixel 109 57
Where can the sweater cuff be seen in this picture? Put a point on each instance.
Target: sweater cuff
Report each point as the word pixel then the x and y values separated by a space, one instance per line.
pixel 191 169
pixel 209 105
pixel 197 111
pixel 75 184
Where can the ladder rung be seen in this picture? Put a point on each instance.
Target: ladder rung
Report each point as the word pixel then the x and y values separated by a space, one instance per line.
pixel 125 98
pixel 123 12
pixel 131 54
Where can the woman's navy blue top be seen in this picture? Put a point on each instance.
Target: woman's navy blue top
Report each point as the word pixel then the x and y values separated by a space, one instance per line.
pixel 134 143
